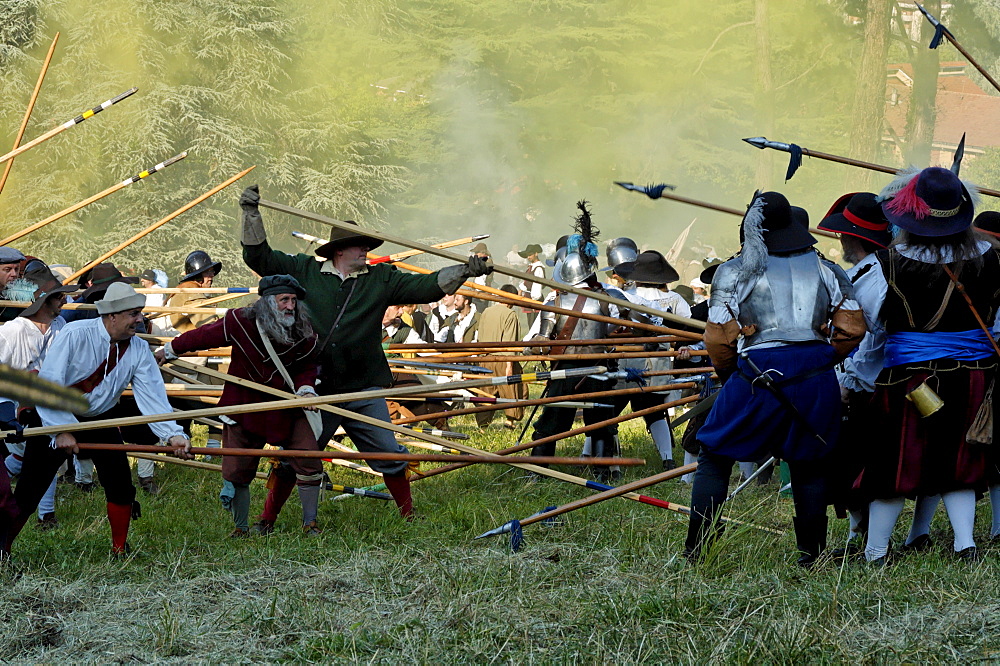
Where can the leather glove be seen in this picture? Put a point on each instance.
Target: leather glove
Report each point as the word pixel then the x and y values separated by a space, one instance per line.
pixel 253 223
pixel 478 266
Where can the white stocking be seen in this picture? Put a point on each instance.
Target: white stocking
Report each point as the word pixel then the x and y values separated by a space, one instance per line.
pixel 882 517
pixel 922 514
pixel 688 459
pixel 856 518
pixel 961 508
pixel 662 438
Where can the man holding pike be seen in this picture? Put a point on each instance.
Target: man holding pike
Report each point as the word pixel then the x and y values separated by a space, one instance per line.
pixel 99 357
pixel 347 299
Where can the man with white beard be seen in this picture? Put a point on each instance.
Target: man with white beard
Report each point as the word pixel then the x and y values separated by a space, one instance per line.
pixel 277 315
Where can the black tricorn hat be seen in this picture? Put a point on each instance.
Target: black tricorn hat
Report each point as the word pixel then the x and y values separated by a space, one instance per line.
pixel 343 238
pixel 650 267
pixel 858 214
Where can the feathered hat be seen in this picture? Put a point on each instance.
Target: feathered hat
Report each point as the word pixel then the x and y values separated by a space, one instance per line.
pixel 583 244
pixel 929 202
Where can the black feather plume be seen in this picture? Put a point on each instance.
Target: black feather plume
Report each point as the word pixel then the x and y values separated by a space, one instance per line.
pixel 584 226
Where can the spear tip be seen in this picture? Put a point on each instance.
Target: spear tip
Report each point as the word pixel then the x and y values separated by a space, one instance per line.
pixel 757 142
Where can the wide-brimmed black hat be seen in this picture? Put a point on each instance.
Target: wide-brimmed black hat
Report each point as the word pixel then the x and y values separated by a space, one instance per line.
pixel 533 248
pixel 988 222
pixel 48 285
pixel 934 202
pixel 858 214
pixel 343 238
pixel 782 233
pixel 101 277
pixel 650 267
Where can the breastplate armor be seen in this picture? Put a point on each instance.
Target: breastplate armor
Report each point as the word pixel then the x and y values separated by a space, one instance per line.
pixel 789 303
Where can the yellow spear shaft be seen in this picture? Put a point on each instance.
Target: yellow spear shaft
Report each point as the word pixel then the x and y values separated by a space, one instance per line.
pixel 31 107
pixel 89 200
pixel 153 227
pixel 66 125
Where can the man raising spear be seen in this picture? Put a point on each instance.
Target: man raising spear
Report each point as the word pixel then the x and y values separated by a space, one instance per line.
pixel 346 300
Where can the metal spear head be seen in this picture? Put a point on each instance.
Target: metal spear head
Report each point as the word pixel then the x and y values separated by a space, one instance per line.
pixel 956 162
pixel 480 237
pixel 762 143
pixel 930 17
pixel 651 191
pixel 496 531
pixel 308 237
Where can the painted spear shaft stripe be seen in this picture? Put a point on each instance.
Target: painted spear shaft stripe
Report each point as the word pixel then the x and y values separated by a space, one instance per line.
pixel 148 172
pixel 100 107
pixel 439 433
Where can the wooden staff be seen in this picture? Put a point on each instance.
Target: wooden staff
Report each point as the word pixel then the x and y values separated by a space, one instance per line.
pixel 594 499
pixel 89 200
pixel 444 346
pixel 364 455
pixel 31 107
pixel 186 463
pixel 485 293
pixel 157 225
pixel 569 357
pixel 238 291
pixel 544 401
pixel 374 259
pixel 503 270
pixel 29 388
pixel 716 207
pixel 762 143
pixel 69 123
pixel 572 433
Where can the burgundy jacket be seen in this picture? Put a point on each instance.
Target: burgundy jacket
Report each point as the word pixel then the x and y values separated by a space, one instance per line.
pixel 250 360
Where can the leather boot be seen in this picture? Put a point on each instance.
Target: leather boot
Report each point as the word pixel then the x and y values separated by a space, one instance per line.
pixel 810 537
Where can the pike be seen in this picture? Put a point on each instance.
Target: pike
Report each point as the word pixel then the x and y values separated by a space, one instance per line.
pixel 448 434
pixel 486 293
pixel 445 346
pixel 66 125
pixel 467 369
pixel 941 31
pixel 31 107
pixel 514 526
pixel 363 455
pixel 482 400
pixel 656 192
pixel 28 387
pixel 503 270
pixel 91 199
pixel 376 259
pixel 762 143
pixel 156 225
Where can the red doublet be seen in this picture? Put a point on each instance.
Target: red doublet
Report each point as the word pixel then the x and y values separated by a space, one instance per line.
pixel 250 360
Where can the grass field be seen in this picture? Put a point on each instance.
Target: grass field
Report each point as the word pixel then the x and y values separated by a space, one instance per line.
pixel 607 584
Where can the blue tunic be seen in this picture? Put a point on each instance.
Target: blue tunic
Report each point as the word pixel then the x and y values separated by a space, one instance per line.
pixel 748 423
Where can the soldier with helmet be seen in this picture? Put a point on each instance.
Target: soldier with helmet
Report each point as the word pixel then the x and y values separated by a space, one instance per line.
pixel 200 271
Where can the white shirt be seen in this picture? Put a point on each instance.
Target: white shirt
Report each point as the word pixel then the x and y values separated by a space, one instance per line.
pixel 459 328
pixel 79 349
pixel 871 296
pixel 859 371
pixel 537 269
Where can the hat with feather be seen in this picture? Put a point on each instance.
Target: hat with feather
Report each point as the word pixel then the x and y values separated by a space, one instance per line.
pixel 581 249
pixel 929 202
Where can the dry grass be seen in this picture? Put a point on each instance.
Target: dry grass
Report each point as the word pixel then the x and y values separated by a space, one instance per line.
pixel 606 585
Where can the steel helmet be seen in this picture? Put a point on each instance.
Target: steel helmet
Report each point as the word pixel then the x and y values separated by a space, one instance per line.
pixel 197 263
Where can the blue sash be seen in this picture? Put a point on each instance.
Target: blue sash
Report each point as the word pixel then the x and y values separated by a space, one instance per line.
pixel 913 347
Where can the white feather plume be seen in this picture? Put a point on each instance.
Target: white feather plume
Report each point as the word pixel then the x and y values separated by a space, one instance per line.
pixel 754 252
pixel 901 180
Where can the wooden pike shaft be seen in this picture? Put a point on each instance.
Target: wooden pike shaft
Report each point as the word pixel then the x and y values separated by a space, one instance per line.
pixel 565 357
pixel 499 296
pixel 446 346
pixel 153 227
pixel 376 259
pixel 186 463
pixel 66 125
pixel 364 455
pixel 238 291
pixel 91 306
pixel 975 63
pixel 89 200
pixel 733 211
pixel 495 407
pixel 503 270
pixel 614 492
pixel 31 107
pixel 573 432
